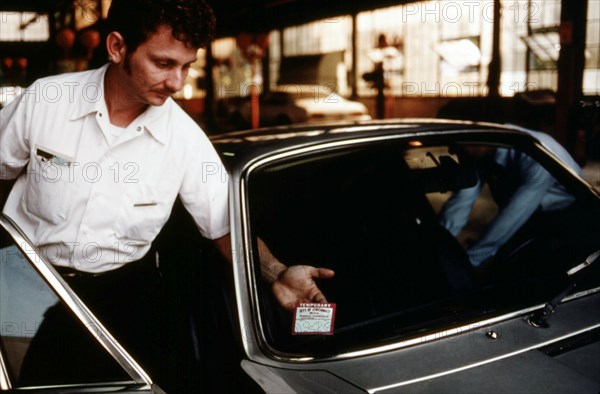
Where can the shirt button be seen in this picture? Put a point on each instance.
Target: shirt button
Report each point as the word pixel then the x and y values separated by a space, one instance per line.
pixel 100 114
pixel 139 129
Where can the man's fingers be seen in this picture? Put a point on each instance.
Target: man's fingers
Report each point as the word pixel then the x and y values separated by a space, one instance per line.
pixel 322 273
pixel 319 298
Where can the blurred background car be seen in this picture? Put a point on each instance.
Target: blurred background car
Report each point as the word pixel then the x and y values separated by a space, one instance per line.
pixel 290 104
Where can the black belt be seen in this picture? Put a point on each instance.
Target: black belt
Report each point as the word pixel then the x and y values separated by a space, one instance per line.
pixel 147 262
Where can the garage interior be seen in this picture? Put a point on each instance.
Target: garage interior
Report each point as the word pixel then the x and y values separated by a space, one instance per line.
pixel 534 63
pixel 530 62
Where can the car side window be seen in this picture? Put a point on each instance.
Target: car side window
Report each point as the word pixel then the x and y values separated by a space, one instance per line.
pixel 33 354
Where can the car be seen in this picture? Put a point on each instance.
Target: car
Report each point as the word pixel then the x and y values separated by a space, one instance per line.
pixel 291 104
pixel 405 311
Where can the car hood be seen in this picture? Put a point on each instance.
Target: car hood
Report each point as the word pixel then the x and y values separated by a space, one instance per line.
pixel 519 359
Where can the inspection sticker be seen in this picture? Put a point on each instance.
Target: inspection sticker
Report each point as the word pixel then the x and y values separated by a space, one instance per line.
pixel 313 319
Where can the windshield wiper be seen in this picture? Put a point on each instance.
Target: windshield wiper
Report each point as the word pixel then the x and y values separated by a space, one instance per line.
pixel 538 319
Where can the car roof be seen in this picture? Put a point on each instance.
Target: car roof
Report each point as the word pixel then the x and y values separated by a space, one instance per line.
pixel 241 147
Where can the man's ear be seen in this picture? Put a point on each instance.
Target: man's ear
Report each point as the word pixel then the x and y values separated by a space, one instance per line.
pixel 116 48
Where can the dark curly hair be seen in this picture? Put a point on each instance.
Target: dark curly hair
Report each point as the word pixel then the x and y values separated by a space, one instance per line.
pixel 192 21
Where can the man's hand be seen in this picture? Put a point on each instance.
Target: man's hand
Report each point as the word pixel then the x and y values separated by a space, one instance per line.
pixel 290 285
pixel 297 284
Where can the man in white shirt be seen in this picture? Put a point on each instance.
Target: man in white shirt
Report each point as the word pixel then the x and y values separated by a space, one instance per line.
pixel 101 156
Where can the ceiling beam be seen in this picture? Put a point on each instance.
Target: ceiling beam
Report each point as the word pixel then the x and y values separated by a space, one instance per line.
pixel 236 16
pixel 30 5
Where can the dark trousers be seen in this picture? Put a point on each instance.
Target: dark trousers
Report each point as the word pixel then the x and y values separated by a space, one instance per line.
pixel 132 303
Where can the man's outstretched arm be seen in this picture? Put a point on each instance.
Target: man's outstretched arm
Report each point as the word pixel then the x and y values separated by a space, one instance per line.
pixel 290 285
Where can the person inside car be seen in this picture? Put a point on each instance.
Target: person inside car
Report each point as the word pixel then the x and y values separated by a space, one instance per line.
pixel 521 188
pixel 99 158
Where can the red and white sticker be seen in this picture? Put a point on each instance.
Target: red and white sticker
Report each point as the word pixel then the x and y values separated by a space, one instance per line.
pixel 314 319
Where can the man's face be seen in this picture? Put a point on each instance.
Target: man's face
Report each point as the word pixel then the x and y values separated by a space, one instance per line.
pixel 157 68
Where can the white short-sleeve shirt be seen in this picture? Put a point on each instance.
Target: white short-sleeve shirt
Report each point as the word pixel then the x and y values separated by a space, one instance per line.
pixel 95 202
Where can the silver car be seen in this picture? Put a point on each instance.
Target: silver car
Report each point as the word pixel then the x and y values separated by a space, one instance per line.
pixel 411 312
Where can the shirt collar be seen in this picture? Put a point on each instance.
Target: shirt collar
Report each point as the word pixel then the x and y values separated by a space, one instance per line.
pixel 154 118
pixel 91 102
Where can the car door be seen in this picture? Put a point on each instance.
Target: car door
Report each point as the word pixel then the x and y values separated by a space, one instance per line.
pixel 31 358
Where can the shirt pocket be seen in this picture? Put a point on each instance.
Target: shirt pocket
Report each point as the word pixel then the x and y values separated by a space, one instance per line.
pixel 144 212
pixel 46 195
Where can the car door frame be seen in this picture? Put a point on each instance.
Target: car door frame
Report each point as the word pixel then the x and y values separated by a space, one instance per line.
pixel 138 376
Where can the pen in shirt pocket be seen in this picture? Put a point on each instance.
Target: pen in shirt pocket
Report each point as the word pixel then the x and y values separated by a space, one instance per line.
pixel 145 204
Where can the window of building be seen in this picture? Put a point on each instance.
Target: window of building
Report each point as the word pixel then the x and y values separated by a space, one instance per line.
pixel 543 44
pixel 24 26
pixel 442 47
pixel 433 48
pixel 303 44
pixel 591 73
pixel 447 46
pixel 530 45
pixel 544 47
pixel 322 36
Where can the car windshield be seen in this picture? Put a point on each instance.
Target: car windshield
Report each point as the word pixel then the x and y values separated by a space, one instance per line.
pixel 385 217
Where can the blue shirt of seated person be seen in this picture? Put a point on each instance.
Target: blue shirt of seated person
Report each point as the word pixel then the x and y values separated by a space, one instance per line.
pixel 519 185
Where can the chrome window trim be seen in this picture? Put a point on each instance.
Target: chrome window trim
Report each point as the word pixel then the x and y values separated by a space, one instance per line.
pixel 240 276
pixel 466 328
pixel 4 380
pixel 249 313
pixel 74 303
pixel 91 387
